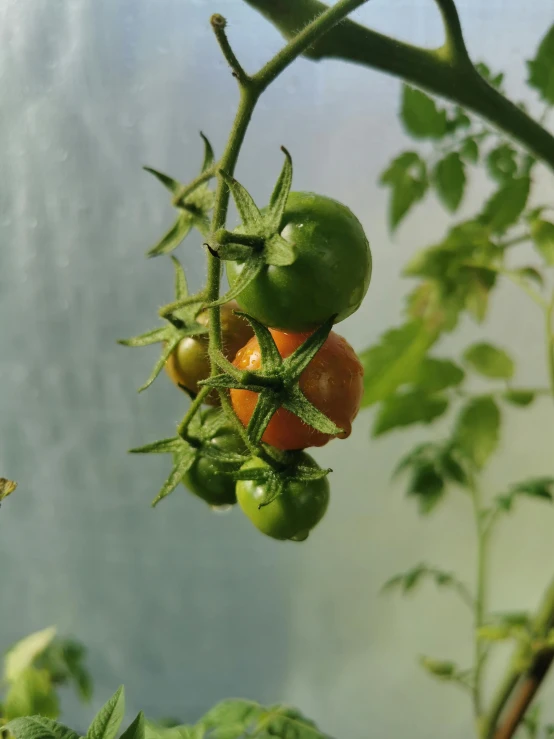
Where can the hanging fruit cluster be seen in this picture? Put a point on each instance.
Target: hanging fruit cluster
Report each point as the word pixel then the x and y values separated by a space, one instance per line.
pixel 279 380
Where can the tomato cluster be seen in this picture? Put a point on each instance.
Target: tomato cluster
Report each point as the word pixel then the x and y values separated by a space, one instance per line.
pixel 329 277
pixel 295 269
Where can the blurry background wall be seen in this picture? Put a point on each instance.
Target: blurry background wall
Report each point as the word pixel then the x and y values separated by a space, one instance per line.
pixel 186 607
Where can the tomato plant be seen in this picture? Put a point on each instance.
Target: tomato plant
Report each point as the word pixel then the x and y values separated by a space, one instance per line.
pixel 332 381
pixel 330 275
pixel 292 511
pixel 302 263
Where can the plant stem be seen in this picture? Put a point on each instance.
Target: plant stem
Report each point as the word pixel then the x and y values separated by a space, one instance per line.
pixel 194 406
pixel 204 176
pixel 455 45
pixel 455 78
pixel 328 18
pixel 550 342
pixel 543 621
pixel 218 24
pixel 480 599
pixel 250 90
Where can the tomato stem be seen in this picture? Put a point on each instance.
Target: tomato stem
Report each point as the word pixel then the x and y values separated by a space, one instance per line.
pixel 219 23
pixel 194 406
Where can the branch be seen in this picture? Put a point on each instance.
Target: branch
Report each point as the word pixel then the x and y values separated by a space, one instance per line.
pixel 549 315
pixel 218 24
pixel 325 19
pixel 455 44
pixel 526 691
pixel 453 79
pixel 528 680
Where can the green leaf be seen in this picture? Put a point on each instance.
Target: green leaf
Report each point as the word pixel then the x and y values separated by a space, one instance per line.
pixel 6 488
pixel 301 357
pixel 38 727
pixel 185 460
pixel 407 176
pixel 490 361
pixel 542 233
pixel 272 360
pixel 408 408
pixel 477 428
pixel 477 284
pixel 435 375
pixel 247 208
pixel 407 581
pixel 252 268
pixel 171 240
pixel 63 659
pixel 279 252
pixel 507 204
pixel 537 487
pixel 108 720
pixel 181 287
pixel 519 397
pixel 449 179
pixel 405 194
pixel 530 273
pixel 155 336
pixel 469 150
pixel 298 404
pixel 502 163
pixel 439 668
pixel 541 68
pixel 168 182
pixel 32 692
pixel 135 730
pixel 238 719
pixel 24 653
pixel 208 153
pixel 280 193
pixel 427 486
pixel 451 467
pixel 420 115
pixel 395 360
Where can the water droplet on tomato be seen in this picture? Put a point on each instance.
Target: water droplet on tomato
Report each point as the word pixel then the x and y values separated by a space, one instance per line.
pixel 221 508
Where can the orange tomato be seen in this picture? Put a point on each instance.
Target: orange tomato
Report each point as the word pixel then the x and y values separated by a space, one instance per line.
pixel 333 382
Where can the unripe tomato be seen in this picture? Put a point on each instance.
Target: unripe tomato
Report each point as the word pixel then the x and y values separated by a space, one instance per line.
pixel 331 273
pixel 333 382
pixel 189 363
pixel 209 479
pixel 292 514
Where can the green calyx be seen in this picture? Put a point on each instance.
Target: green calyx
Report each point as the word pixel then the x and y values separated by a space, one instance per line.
pixel 194 202
pixel 257 242
pixel 277 382
pixel 187 447
pixel 181 322
pixel 276 479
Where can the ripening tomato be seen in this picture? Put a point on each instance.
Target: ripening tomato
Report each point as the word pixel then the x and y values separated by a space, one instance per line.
pixel 331 273
pixel 292 514
pixel 189 363
pixel 333 382
pixel 208 478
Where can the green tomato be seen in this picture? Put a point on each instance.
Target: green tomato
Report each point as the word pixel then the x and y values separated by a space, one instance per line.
pixel 208 478
pixel 331 273
pixel 292 514
pixel 189 363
